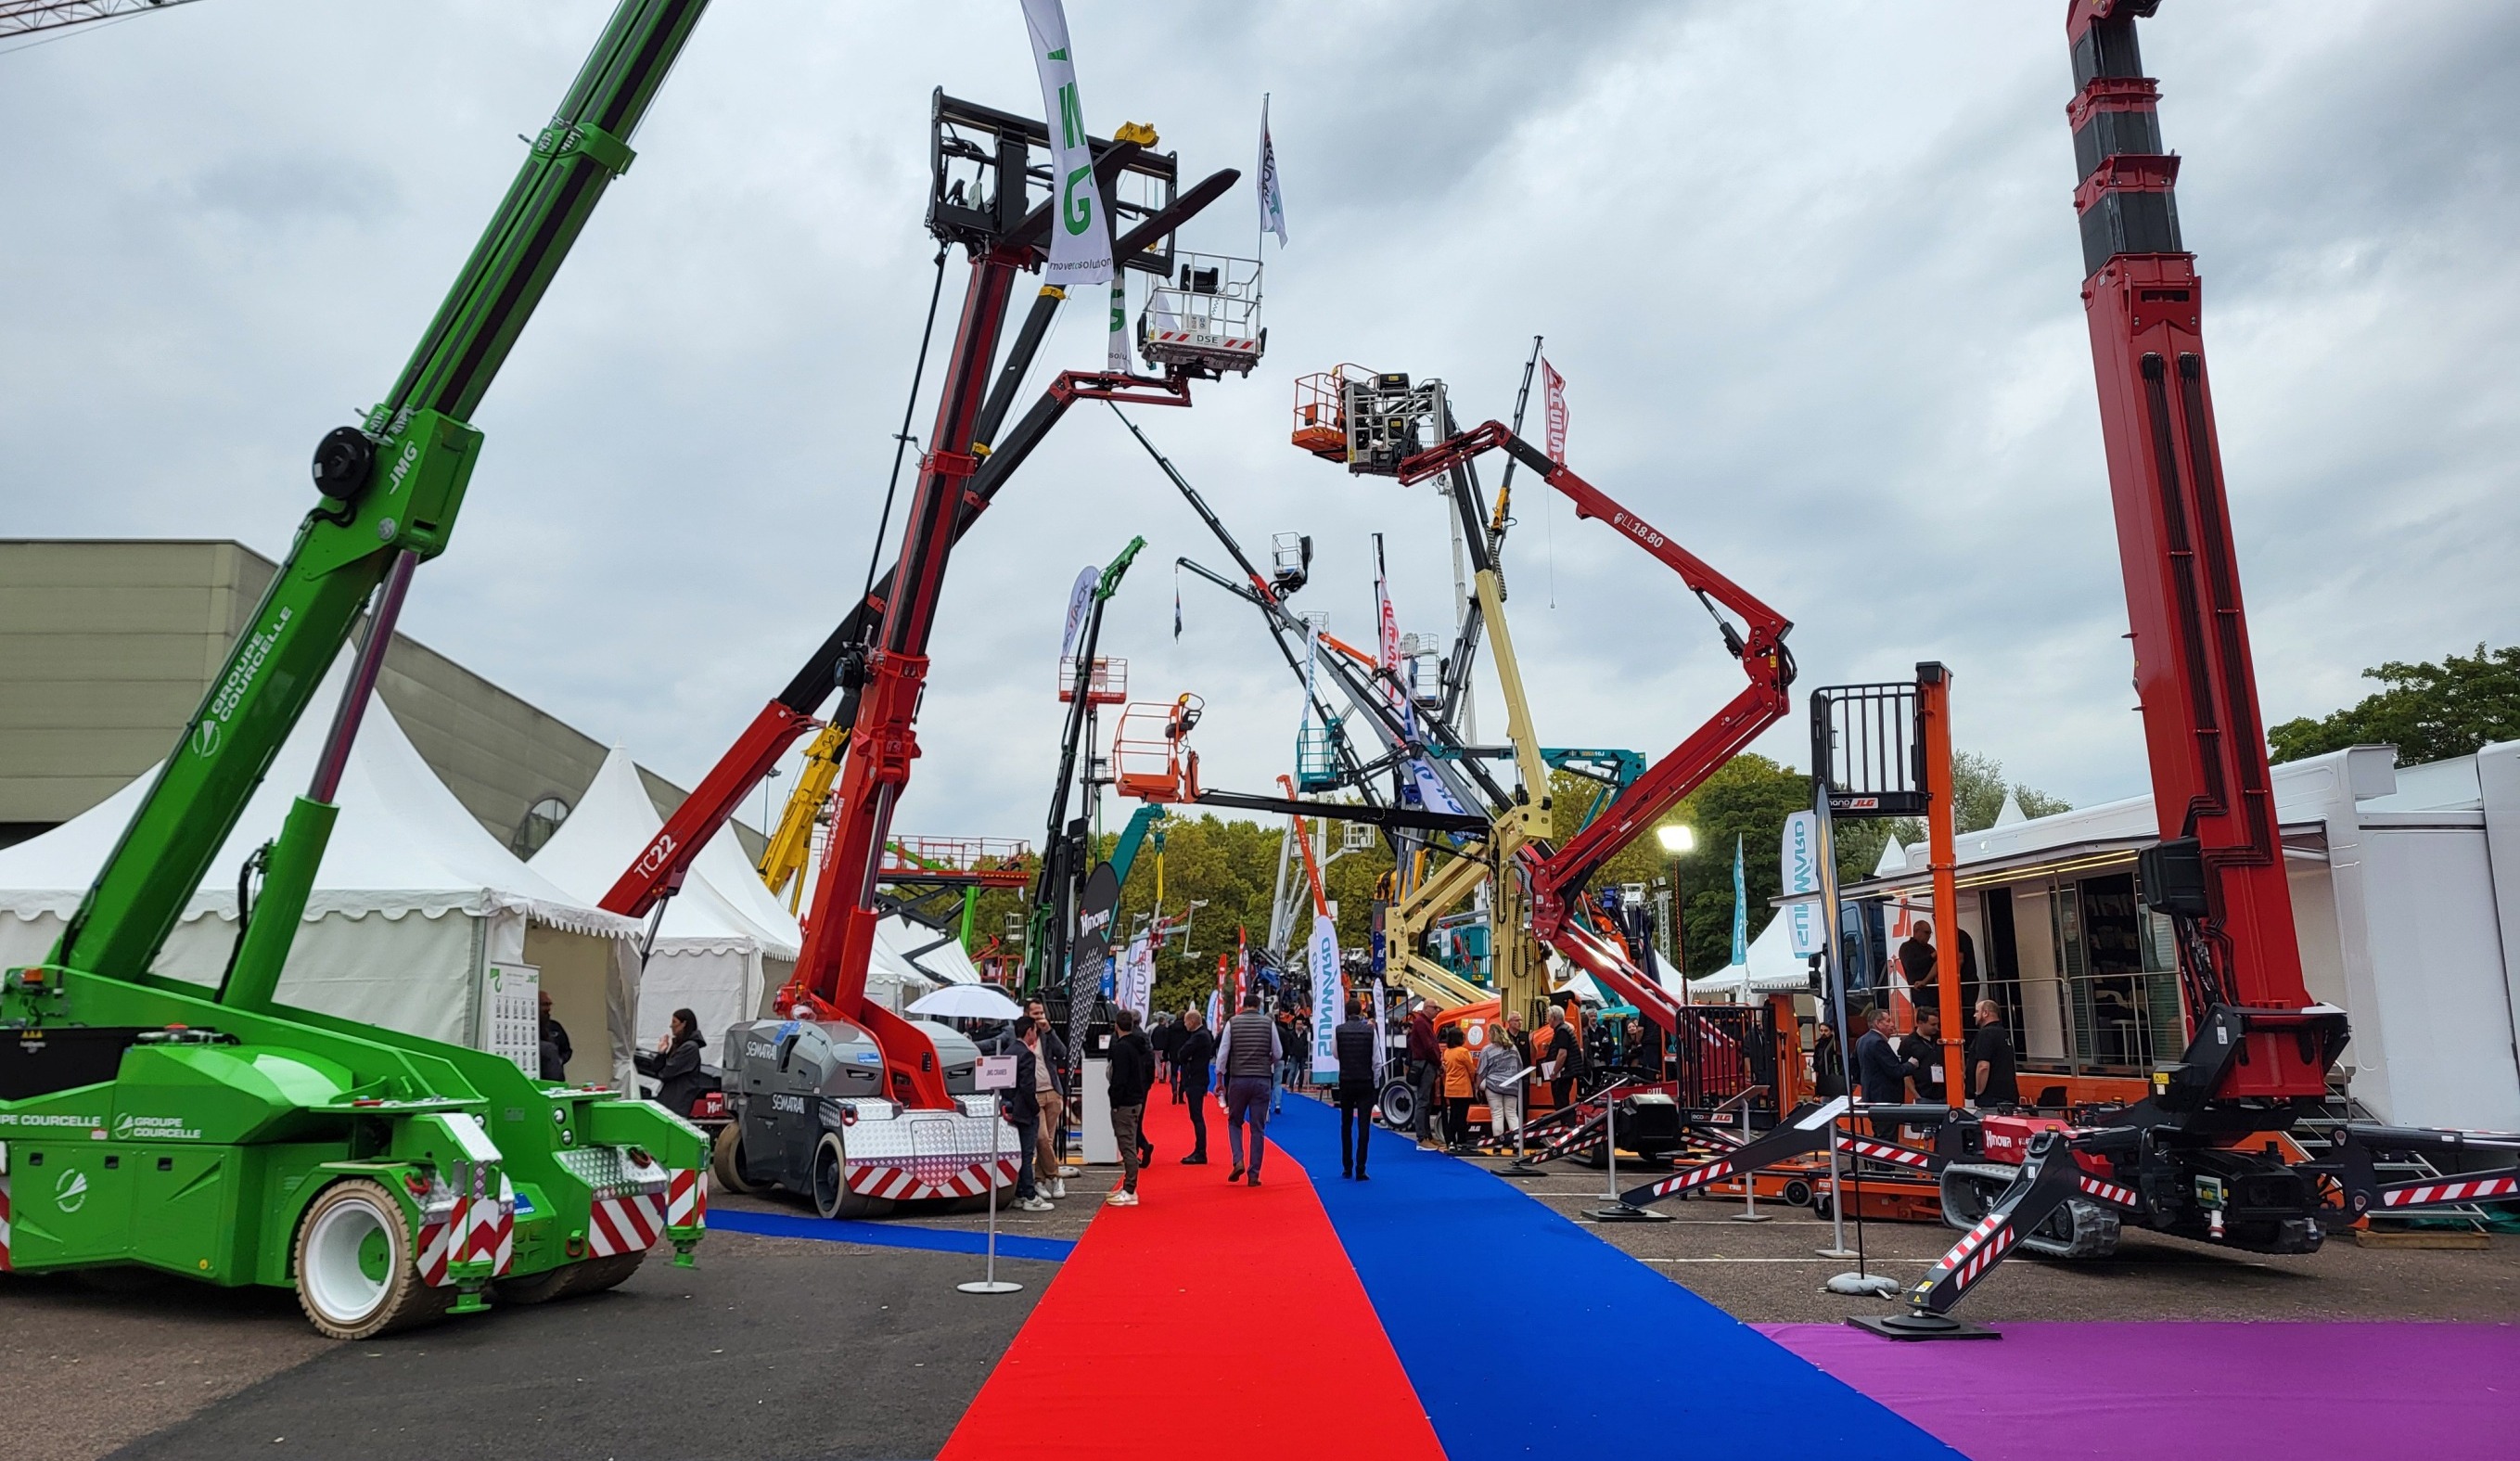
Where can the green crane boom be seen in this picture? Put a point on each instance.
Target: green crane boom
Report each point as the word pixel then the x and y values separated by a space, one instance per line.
pixel 389 488
pixel 386 1177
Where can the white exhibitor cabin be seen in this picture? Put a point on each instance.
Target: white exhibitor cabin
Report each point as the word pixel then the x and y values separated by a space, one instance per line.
pixel 2405 888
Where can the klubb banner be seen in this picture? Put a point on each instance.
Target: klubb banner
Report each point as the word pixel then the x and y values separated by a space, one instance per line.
pixel 1799 866
pixel 1080 239
pixel 1328 997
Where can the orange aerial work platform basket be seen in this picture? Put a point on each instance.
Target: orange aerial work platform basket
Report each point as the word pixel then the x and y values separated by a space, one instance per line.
pixel 1320 418
pixel 1150 756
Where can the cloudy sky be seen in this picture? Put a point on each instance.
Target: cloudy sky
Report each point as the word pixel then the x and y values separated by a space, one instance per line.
pixel 1810 270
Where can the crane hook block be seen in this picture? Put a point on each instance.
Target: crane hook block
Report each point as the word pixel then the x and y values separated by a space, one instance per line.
pixel 344 461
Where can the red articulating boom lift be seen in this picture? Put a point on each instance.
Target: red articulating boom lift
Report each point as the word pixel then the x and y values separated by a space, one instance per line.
pixel 840 1098
pixel 1557 877
pixel 657 871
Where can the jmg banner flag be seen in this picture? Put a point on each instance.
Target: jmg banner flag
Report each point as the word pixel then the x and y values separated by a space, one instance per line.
pixel 1080 237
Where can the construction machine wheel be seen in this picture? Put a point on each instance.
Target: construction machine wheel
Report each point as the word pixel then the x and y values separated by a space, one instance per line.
pixel 831 1195
pixel 1798 1193
pixel 1399 1105
pixel 726 1161
pixel 596 1275
pixel 585 1276
pixel 354 1267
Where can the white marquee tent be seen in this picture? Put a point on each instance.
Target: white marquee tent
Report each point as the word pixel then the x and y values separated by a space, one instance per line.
pixel 414 910
pixel 725 945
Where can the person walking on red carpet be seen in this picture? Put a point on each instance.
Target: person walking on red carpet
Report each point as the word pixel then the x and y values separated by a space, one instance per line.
pixel 1193 1059
pixel 1247 1055
pixel 1353 1042
pixel 1133 1075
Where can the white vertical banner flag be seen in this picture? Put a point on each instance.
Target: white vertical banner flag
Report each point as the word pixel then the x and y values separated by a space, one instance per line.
pixel 1799 867
pixel 1080 238
pixel 1553 403
pixel 1138 982
pixel 1079 600
pixel 1328 997
pixel 1272 202
pixel 1117 359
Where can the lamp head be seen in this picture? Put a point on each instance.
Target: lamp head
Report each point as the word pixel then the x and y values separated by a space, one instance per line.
pixel 1677 838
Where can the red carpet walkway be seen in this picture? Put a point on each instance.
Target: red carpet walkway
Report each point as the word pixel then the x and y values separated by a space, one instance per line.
pixel 1195 1325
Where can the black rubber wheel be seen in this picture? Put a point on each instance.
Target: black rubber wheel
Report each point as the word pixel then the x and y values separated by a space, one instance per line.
pixel 354 1267
pixel 596 1275
pixel 1798 1193
pixel 535 1288
pixel 726 1161
pixel 831 1192
pixel 1399 1106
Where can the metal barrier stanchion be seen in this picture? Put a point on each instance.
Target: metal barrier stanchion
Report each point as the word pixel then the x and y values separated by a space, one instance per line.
pixel 1618 1210
pixel 1749 1180
pixel 995 1072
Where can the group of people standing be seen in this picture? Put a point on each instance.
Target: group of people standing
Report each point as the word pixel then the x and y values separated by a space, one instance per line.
pixel 1449 1076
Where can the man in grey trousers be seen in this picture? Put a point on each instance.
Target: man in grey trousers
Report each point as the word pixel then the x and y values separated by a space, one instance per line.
pixel 1246 1058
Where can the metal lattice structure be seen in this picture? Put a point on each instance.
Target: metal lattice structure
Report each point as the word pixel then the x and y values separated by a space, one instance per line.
pixel 25 17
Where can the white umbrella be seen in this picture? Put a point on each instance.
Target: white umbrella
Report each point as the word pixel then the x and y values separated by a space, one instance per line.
pixel 966 1002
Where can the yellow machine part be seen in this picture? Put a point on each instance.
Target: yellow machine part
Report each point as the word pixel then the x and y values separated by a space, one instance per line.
pixel 783 861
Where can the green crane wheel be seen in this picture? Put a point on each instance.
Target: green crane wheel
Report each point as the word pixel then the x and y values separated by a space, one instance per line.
pixel 356 1278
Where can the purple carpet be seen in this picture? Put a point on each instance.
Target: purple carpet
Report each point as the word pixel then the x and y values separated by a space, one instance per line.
pixel 2232 1392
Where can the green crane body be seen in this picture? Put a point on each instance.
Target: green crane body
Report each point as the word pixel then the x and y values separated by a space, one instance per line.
pixel 146 1121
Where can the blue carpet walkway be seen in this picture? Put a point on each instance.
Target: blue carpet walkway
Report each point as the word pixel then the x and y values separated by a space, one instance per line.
pixel 1637 1367
pixel 887 1234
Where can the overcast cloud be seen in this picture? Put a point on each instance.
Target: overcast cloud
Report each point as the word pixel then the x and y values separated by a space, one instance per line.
pixel 1811 272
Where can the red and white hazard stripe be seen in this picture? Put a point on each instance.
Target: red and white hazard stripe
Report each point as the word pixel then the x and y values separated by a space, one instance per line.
pixel 2111 1192
pixel 903 1184
pixel 1885 1150
pixel 444 1238
pixel 1694 1177
pixel 492 1229
pixel 1985 1257
pixel 5 1233
pixel 625 1224
pixel 2472 1190
pixel 1192 337
pixel 687 1198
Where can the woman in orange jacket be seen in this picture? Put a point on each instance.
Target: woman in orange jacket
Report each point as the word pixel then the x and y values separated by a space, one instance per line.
pixel 1460 1082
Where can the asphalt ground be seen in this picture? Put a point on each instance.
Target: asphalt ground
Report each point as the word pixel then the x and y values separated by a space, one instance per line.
pixel 771 1348
pixel 1769 1272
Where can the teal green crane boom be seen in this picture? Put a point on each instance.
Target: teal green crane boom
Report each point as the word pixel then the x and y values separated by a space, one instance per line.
pixel 388 1178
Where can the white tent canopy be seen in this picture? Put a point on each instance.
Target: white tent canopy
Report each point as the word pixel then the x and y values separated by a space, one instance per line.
pixel 1773 968
pixel 412 904
pixel 725 944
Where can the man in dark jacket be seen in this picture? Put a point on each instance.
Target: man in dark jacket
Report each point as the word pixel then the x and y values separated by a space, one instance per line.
pixel 1246 1052
pixel 555 1041
pixel 1192 1058
pixel 1133 1075
pixel 1353 1041
pixel 1880 1071
pixel 1828 1063
pixel 1561 1057
pixel 1425 1070
pixel 1163 1038
pixel 1990 1060
pixel 1024 1113
pixel 1923 1050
